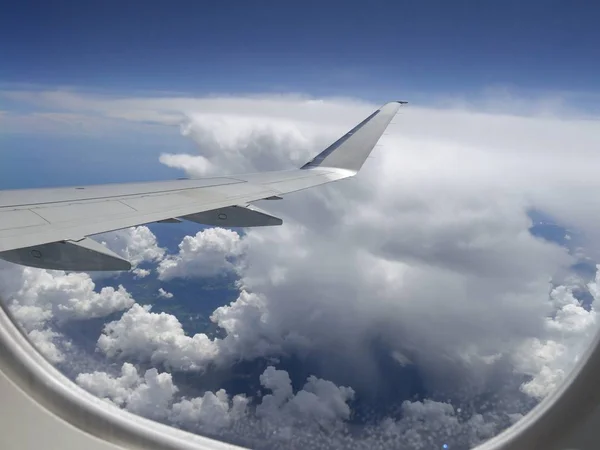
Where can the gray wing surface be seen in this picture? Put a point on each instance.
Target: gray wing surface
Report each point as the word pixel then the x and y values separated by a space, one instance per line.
pixel 49 228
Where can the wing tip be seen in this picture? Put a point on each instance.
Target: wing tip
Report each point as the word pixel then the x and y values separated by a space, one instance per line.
pixel 352 159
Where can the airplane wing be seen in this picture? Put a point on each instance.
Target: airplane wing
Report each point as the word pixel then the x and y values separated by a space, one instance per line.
pixel 50 228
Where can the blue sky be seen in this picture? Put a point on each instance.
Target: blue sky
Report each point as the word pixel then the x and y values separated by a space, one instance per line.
pixel 424 52
pixel 368 49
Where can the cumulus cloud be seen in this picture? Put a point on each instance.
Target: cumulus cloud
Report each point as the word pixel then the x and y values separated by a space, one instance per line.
pixel 193 165
pixel 427 254
pixel 569 330
pixel 211 411
pixel 320 400
pixel 150 396
pixel 434 231
pixel 430 424
pixel 140 273
pixel 154 395
pixel 45 340
pixel 36 295
pixel 238 143
pixel 431 225
pixel 157 338
pixel 135 244
pixel 38 298
pixel 208 253
pixel 284 417
pixel 164 294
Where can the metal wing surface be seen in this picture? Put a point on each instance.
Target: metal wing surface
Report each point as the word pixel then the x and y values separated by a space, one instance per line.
pixel 49 228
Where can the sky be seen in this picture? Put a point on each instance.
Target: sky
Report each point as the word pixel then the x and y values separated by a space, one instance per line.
pixel 437 297
pixel 374 50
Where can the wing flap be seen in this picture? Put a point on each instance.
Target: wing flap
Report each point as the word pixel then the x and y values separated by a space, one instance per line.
pixel 235 216
pixel 86 255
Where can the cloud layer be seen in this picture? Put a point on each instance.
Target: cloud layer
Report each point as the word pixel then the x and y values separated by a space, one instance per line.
pixel 154 395
pixel 41 300
pixel 424 263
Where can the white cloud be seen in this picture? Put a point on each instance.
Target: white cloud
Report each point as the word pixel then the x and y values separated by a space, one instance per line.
pixel 158 338
pixel 164 294
pixel 427 252
pixel 430 424
pixel 116 389
pixel 211 411
pixel 140 273
pixel 135 244
pixel 194 165
pixel 312 414
pixel 36 295
pixel 150 396
pixel 45 340
pixel 238 143
pixel 429 245
pixel 319 400
pixel 154 395
pixel 569 331
pixel 208 253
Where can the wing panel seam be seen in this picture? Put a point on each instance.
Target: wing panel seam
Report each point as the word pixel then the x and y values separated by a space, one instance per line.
pixel 115 197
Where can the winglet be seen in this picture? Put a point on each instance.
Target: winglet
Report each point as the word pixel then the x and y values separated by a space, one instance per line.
pixel 351 150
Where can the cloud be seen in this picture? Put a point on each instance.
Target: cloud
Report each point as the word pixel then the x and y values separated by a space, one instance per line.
pixel 569 330
pixel 320 403
pixel 429 424
pixel 433 224
pixel 236 142
pixel 135 244
pixel 45 341
pixel 206 254
pixel 38 297
pixel 164 294
pixel 212 411
pixel 150 396
pixel 140 273
pixel 158 338
pixel 194 165
pixel 426 254
pixel 319 400
pixel 319 412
